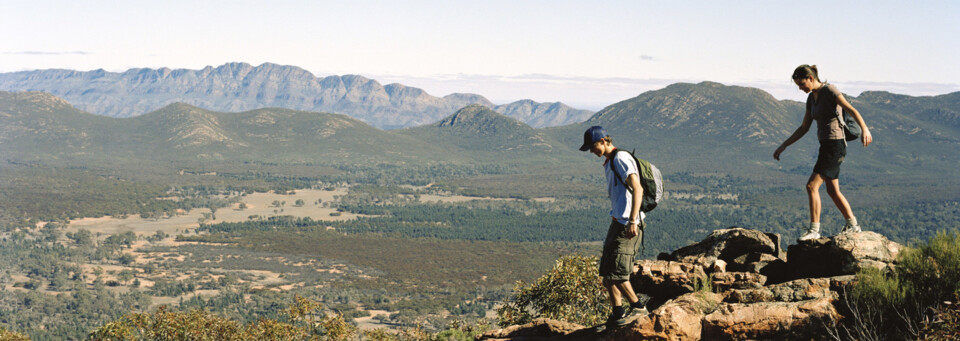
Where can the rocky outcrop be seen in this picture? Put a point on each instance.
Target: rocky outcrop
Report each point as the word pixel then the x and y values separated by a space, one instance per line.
pixel 660 278
pixel 793 291
pixel 722 281
pixel 730 244
pixel 539 329
pixel 678 319
pixel 698 296
pixel 770 320
pixel 842 255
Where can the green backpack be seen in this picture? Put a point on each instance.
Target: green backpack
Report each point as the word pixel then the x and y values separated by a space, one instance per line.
pixel 650 181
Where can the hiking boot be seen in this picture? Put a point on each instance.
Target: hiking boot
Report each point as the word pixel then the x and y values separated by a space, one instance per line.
pixel 850 229
pixel 812 233
pixel 635 312
pixel 809 235
pixel 617 319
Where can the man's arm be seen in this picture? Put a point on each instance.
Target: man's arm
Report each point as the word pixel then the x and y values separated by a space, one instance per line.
pixel 634 182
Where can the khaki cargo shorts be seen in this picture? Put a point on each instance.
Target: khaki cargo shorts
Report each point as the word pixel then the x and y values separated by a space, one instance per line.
pixel 616 262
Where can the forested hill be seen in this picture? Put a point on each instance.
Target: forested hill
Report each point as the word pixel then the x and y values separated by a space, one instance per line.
pixel 477 128
pixel 39 127
pixel 236 87
pixel 713 127
pixel 683 127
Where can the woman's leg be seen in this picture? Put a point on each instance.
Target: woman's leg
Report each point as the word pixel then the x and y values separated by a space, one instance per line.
pixel 833 189
pixel 813 194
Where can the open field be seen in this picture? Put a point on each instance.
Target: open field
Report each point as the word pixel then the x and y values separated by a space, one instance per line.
pixel 198 262
pixel 257 204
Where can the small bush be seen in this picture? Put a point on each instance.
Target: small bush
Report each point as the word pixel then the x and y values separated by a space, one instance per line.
pixel 570 292
pixel 305 322
pixel 894 305
pixel 6 335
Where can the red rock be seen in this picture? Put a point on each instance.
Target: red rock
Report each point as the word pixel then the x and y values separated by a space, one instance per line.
pixel 842 255
pixel 539 329
pixel 737 280
pixel 804 320
pixel 728 244
pixel 665 279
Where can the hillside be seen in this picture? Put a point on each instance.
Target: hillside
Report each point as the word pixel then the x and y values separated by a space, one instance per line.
pixel 710 127
pixel 235 87
pixel 42 127
pixel 706 127
pixel 482 133
pixel 490 199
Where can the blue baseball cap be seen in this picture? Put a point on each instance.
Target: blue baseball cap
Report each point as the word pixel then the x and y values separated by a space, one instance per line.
pixel 594 134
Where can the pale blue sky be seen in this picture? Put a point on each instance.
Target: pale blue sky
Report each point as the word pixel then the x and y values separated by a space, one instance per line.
pixel 584 53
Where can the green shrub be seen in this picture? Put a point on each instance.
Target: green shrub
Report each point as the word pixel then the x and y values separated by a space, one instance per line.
pixel 933 269
pixel 305 322
pixel 6 335
pixel 894 305
pixel 570 292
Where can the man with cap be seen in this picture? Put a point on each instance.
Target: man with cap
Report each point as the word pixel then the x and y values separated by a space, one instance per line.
pixel 626 226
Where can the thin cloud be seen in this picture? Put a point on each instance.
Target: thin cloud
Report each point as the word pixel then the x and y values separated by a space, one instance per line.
pixel 47 53
pixel 645 57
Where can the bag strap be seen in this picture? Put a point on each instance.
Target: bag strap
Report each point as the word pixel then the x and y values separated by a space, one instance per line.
pixel 842 123
pixel 615 173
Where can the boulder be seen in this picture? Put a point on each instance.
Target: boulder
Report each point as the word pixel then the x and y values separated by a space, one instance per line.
pixel 678 319
pixel 736 280
pixel 539 329
pixel 665 279
pixel 793 291
pixel 707 263
pixel 728 244
pixel 803 320
pixel 752 262
pixel 841 255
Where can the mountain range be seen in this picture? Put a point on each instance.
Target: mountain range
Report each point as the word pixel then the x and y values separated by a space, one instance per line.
pixel 705 128
pixel 237 87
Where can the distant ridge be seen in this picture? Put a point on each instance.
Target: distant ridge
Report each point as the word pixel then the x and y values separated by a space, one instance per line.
pixel 235 87
pixel 684 127
pixel 706 125
pixel 540 115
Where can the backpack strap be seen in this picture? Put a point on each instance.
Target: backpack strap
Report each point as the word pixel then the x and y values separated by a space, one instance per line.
pixel 842 123
pixel 616 174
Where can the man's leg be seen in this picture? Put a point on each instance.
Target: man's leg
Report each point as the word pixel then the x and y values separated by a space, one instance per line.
pixel 616 298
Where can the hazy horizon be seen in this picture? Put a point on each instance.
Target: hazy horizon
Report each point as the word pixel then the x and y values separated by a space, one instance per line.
pixel 583 54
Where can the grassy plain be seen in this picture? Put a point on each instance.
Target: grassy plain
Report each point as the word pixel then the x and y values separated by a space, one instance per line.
pixel 287 261
pixel 257 204
pixel 421 253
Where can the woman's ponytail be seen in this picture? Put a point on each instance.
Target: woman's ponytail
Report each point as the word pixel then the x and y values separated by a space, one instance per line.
pixel 804 71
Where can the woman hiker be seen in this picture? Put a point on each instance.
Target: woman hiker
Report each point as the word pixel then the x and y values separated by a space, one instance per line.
pixel 823 105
